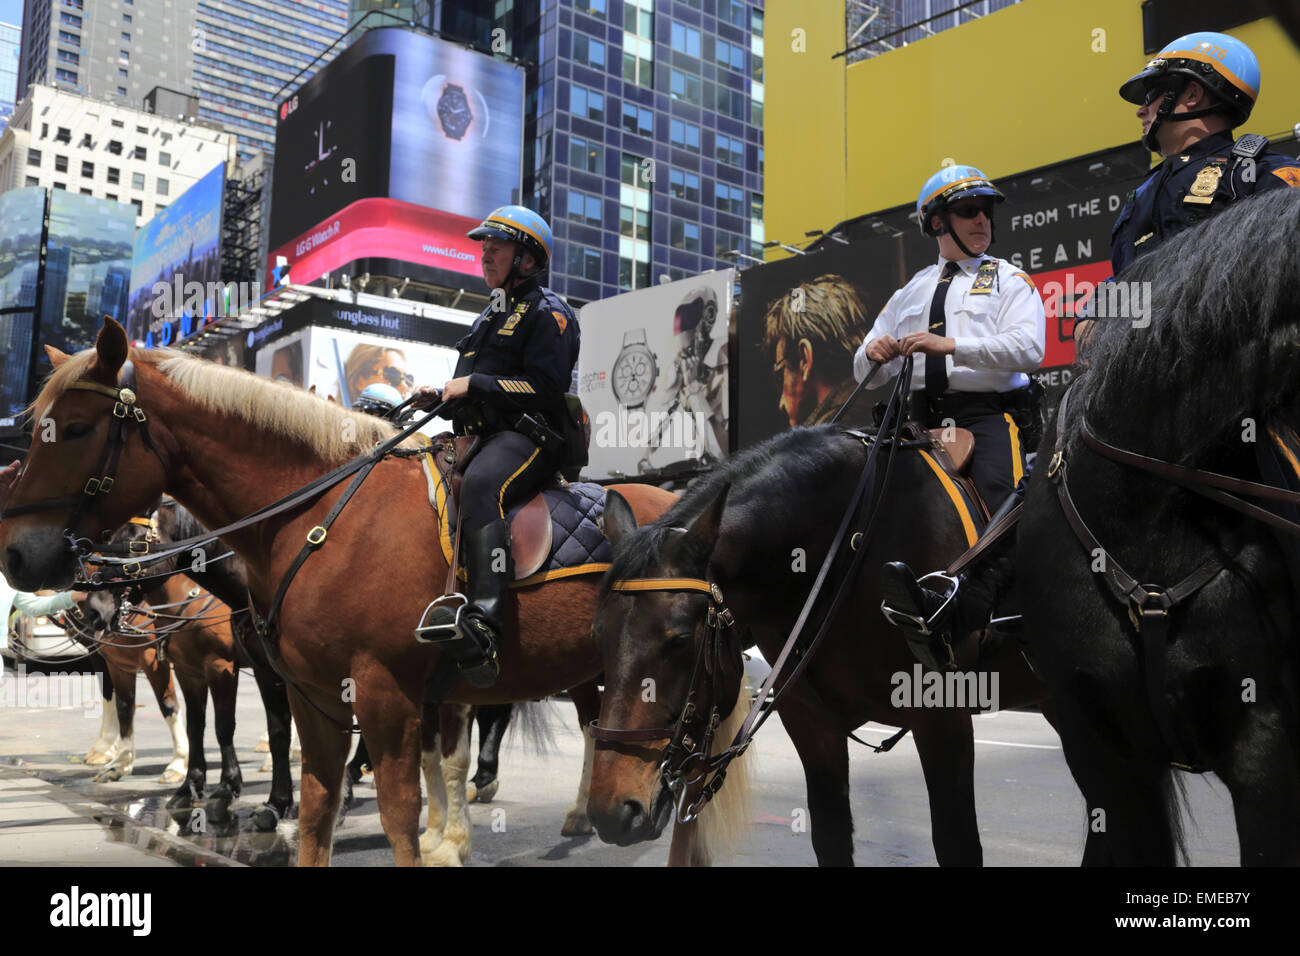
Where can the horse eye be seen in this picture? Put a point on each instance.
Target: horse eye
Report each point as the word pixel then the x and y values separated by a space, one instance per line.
pixel 676 641
pixel 78 430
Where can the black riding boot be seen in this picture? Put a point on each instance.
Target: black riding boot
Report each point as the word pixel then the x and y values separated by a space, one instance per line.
pixel 476 629
pixel 929 619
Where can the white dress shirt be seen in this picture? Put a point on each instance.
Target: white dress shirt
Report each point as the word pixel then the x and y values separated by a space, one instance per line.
pixel 1000 335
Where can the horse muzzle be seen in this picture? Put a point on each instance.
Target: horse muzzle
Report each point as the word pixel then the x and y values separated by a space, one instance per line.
pixel 39 558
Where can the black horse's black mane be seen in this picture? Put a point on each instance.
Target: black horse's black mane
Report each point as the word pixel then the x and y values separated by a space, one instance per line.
pixel 187 526
pixel 803 454
pixel 1224 336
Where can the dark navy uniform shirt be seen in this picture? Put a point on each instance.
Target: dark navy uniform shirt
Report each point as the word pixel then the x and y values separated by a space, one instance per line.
pixel 520 358
pixel 1159 209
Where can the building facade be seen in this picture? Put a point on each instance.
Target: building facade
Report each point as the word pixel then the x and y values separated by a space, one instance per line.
pixel 10 39
pixel 235 55
pixel 64 140
pixel 643 131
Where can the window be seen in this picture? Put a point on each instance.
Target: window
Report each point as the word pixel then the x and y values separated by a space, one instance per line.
pixel 730 102
pixel 685 39
pixel 64 135
pixel 684 235
pixel 126 18
pixel 635 171
pixel 638 60
pixel 733 12
pixel 730 198
pixel 87 192
pixel 70 19
pixel 583 155
pixel 585 102
pixel 33 157
pixel 123 73
pixel 731 151
pixel 756 22
pixel 60 186
pixel 588 51
pixel 121 91
pixel 163 186
pixel 638 120
pixel 60 164
pixel 114 175
pixel 634 222
pixel 45 130
pixel 593 8
pixel 64 56
pixel 684 87
pixel 137 180
pixel 729 55
pixel 74 4
pixel 70 38
pixel 142 130
pixel 684 185
pixel 139 206
pixel 33 181
pixel 684 134
pixel 633 271
pixel 584 263
pixel 165 159
pixel 115 147
pixel 725 242
pixel 124 56
pixel 638 19
pixel 88 169
pixel 85 141
pixel 67 76
pixel 112 196
pixel 117 124
pixel 584 208
pixel 126 37
pixel 141 152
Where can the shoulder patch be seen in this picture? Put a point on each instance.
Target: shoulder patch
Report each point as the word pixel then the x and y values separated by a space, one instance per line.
pixel 561 321
pixel 1025 276
pixel 1289 175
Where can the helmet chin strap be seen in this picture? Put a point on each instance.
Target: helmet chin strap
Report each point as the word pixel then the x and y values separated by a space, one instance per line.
pixel 1166 114
pixel 947 228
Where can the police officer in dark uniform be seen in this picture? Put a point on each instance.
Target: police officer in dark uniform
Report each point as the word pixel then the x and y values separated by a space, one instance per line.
pixel 516 364
pixel 1191 96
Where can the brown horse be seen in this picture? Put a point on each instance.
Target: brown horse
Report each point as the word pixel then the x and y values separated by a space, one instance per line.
pixel 225 443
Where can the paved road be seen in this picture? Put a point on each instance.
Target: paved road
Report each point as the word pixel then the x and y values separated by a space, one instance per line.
pixel 1030 812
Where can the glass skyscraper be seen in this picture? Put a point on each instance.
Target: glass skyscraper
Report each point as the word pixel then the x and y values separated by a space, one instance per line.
pixel 643 131
pixel 10 41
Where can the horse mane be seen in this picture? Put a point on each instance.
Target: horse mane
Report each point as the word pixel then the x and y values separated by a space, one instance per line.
pixel 1224 337
pixel 332 433
pixel 187 526
pixel 785 463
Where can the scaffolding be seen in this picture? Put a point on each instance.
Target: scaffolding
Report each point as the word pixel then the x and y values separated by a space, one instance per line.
pixel 241 229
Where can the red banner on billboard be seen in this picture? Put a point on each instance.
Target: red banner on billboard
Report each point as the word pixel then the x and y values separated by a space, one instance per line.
pixel 380 229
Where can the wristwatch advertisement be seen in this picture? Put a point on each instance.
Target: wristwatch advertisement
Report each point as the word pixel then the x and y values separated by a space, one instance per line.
pixel 458 110
pixel 635 370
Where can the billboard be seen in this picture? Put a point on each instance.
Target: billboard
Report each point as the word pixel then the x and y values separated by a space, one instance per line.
pixel 178 248
pixel 653 375
pixel 87 268
pixel 401 117
pixel 22 212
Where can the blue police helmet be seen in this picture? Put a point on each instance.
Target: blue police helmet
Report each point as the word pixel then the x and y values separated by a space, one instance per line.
pixel 517 224
pixel 377 398
pixel 1222 64
pixel 948 185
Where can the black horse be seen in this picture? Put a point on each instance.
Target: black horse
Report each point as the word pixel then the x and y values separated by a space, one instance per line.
pixel 759 527
pixel 1208 384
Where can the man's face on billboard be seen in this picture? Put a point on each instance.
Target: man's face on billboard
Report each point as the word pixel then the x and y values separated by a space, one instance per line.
pixel 791 364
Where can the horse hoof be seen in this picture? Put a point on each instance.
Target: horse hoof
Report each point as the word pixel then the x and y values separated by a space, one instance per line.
pixel 224 794
pixel 267 765
pixel 184 798
pixel 172 777
pixel 576 824
pixel 471 792
pixel 487 791
pixel 263 745
pixel 111 775
pixel 97 758
pixel 445 854
pixel 266 817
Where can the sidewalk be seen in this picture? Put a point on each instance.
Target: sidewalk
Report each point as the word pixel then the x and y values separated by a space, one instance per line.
pixel 42 824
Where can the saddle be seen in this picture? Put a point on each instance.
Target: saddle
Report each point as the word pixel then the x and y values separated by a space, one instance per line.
pixel 530 524
pixel 951 448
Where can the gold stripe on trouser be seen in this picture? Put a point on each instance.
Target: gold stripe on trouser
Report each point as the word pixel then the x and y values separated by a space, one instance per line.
pixel 958 502
pixel 502 497
pixel 1017 460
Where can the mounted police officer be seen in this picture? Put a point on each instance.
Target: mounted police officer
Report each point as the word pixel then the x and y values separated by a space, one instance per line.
pixel 1195 91
pixel 1190 98
pixel 978 322
pixel 516 364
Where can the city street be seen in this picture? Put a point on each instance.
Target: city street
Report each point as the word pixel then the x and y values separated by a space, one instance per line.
pixel 1030 812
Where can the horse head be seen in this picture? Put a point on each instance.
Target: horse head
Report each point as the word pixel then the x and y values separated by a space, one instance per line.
pixel 673 670
pixel 87 474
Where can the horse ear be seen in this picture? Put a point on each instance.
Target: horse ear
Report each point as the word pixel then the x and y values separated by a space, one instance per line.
pixel 57 358
pixel 701 536
pixel 619 517
pixel 110 349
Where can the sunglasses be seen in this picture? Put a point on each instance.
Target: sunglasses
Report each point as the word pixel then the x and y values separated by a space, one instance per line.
pixel 396 377
pixel 971 210
pixel 1157 90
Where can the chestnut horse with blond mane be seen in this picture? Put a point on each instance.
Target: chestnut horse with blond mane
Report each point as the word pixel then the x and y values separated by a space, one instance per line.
pixel 225 443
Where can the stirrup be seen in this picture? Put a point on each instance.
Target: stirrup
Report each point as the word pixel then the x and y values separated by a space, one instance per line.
pixel 914 622
pixel 445 631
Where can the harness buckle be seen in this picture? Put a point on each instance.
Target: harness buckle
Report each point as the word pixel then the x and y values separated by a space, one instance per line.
pixel 119 410
pixel 688 744
pixel 139 414
pixel 106 484
pixel 1058 459
pixel 688 712
pixel 316 536
pixel 132 570
pixel 715 592
pixel 92 487
pixel 725 617
pixel 137 547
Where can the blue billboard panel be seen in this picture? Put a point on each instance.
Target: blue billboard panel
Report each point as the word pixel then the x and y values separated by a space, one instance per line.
pixel 177 262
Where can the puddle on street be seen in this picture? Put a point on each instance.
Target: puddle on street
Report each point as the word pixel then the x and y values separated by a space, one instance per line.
pixel 225 831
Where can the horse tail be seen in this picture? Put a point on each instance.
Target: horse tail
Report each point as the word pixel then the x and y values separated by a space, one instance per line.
pixel 531 720
pixel 1173 797
pixel 723 821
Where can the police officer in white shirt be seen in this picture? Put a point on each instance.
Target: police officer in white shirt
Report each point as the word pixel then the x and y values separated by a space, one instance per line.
pixel 977 321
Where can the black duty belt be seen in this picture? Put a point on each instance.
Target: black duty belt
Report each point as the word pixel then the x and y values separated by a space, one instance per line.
pixel 932 410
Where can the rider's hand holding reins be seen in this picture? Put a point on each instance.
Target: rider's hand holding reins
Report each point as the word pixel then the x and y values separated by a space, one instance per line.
pixel 883 349
pixel 426 396
pixel 927 343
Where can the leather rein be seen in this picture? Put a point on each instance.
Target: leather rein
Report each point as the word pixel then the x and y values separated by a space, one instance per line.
pixel 691 736
pixel 1148 605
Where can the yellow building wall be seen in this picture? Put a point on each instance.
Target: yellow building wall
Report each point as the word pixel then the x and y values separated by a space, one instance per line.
pixel 1033 84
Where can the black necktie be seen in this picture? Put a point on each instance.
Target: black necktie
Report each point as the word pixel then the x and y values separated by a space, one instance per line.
pixel 936 366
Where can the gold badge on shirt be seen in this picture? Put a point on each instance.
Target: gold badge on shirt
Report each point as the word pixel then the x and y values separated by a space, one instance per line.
pixel 1207 183
pixel 513 319
pixel 985 277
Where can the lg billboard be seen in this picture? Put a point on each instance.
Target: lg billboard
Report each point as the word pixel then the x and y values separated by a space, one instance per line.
pixel 390 154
